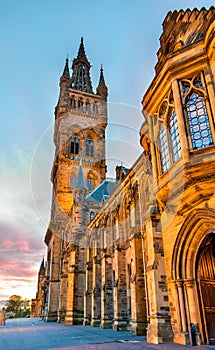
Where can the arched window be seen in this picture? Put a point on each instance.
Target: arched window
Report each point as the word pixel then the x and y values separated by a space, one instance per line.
pixel 194 93
pixel 92 215
pixel 74 146
pixel 87 106
pixel 95 108
pixel 80 104
pixel 170 146
pixel 89 147
pixel 90 182
pixel 199 125
pixel 73 102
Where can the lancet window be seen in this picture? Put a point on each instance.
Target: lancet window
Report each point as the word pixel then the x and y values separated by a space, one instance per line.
pixel 87 106
pixel 80 104
pixel 169 140
pixel 90 182
pixel 74 146
pixel 194 98
pixel 73 102
pixel 89 147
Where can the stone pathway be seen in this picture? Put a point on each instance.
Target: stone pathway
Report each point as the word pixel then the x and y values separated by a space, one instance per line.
pixel 34 334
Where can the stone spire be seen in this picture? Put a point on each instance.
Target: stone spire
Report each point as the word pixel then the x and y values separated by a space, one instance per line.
pixel 79 182
pixel 81 71
pixel 42 267
pixel 81 51
pixel 66 69
pixel 102 89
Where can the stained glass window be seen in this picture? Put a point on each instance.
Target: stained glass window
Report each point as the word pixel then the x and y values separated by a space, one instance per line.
pixel 174 136
pixel 170 146
pixel 164 149
pixel 198 122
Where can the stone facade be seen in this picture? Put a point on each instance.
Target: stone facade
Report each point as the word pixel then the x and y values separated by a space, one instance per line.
pixel 178 135
pixel 142 256
pixel 37 303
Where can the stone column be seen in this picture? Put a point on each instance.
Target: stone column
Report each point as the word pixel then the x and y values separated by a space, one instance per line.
pixel 69 319
pixel 54 273
pixel 107 291
pixel 96 292
pixel 62 299
pixel 182 310
pixel 159 328
pixel 88 295
pixel 211 95
pixel 138 320
pixel 191 309
pixel 119 291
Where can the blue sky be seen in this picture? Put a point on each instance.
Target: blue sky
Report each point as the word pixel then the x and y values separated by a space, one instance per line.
pixel 35 38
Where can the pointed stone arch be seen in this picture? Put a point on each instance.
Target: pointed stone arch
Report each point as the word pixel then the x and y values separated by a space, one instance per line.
pixel 91 181
pixel 195 231
pixel 196 226
pixel 93 132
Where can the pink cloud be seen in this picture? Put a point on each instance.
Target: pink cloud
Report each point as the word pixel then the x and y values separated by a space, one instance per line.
pixel 17 239
pixel 20 257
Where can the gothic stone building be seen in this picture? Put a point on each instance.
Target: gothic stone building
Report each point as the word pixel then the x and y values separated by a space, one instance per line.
pixel 138 253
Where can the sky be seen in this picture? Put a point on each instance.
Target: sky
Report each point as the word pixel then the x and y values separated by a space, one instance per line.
pixel 35 39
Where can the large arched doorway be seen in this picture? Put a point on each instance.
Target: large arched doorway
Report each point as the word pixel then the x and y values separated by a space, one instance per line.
pixel 193 272
pixel 206 280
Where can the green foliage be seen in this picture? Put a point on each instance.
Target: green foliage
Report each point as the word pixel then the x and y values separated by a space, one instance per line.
pixel 20 307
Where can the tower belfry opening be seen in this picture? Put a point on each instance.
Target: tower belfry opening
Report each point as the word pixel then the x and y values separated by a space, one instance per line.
pixel 81 71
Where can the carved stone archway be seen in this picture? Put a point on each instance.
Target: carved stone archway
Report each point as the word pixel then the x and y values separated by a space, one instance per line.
pixel 193 234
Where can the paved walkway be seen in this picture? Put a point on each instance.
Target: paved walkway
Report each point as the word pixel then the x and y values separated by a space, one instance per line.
pixel 34 334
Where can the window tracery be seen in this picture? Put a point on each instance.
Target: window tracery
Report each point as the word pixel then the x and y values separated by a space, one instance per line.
pixel 89 147
pixel 74 145
pixel 169 139
pixel 194 98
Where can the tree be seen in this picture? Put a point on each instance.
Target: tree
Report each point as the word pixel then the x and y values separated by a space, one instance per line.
pixel 20 307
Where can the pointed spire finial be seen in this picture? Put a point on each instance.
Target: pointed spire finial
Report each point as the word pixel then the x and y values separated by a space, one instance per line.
pixel 79 182
pixel 102 88
pixel 42 265
pixel 66 68
pixel 81 51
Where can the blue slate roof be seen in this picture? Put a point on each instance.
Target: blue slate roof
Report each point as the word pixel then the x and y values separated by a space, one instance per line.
pixel 103 191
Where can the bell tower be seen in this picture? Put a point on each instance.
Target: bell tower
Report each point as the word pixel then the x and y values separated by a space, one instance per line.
pixel 80 123
pixel 79 137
